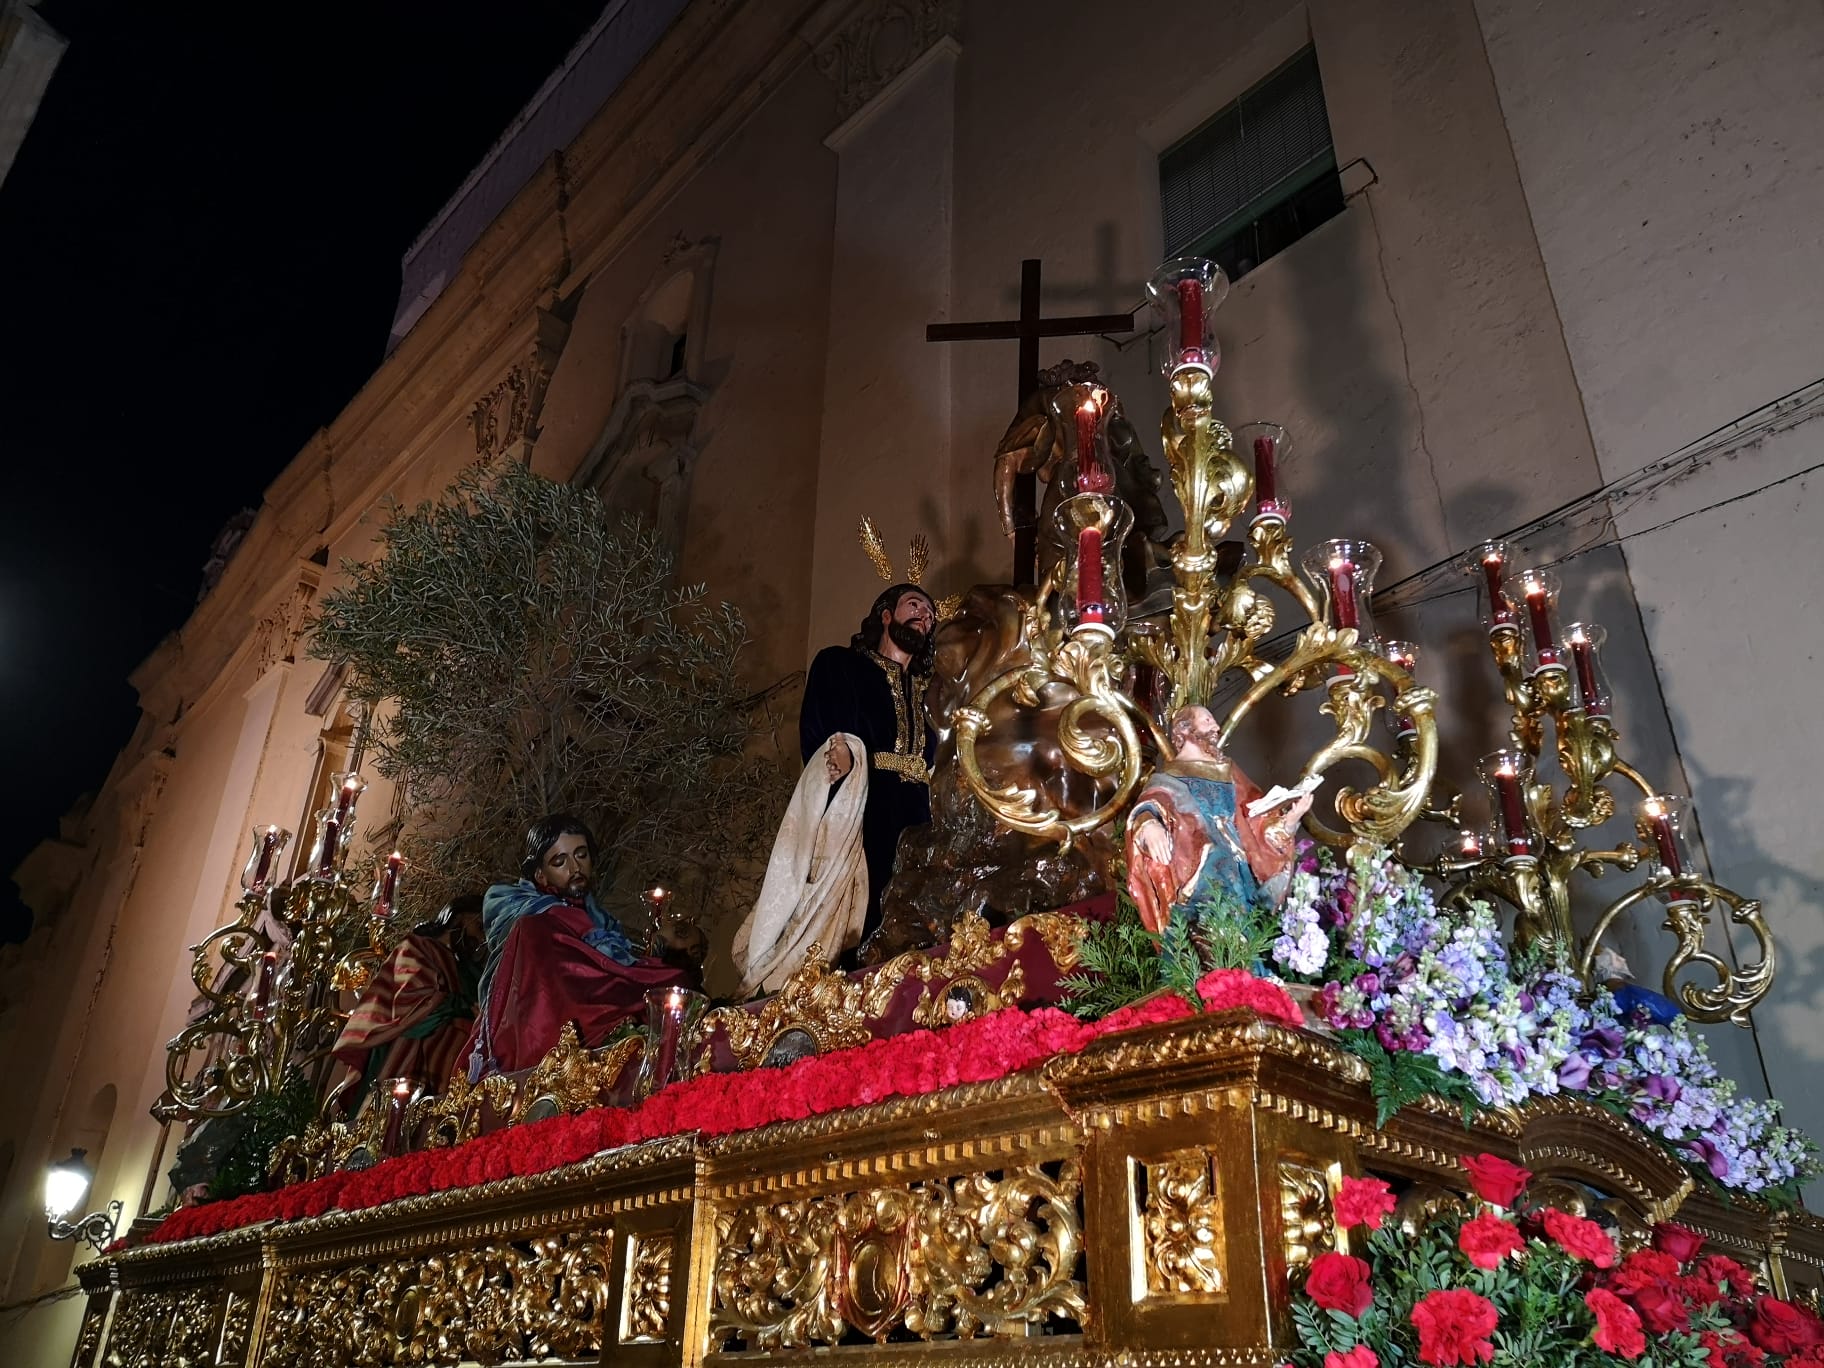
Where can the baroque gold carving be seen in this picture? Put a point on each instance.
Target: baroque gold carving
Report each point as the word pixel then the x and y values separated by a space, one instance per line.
pixel 1181 1233
pixel 646 1302
pixel 575 1077
pixel 987 1253
pixel 1307 1227
pixel 88 1339
pixel 237 1329
pixel 829 1007
pixel 542 1298
pixel 142 1324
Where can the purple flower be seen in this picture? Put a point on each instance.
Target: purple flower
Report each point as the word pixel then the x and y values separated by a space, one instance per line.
pixel 1574 1072
pixel 1714 1159
pixel 1663 1087
pixel 1606 1041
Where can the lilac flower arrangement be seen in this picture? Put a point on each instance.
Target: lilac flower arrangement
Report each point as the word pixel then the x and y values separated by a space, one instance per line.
pixel 1423 979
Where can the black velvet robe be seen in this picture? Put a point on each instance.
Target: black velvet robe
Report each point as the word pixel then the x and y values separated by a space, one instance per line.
pixel 869 696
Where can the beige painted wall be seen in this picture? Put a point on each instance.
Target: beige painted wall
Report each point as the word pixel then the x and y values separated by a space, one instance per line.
pixel 1675 175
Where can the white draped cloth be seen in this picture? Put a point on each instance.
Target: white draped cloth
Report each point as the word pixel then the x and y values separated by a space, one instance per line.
pixel 816 887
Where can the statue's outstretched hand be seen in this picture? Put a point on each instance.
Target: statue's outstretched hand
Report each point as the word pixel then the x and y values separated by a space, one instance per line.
pixel 1155 842
pixel 838 760
pixel 1279 835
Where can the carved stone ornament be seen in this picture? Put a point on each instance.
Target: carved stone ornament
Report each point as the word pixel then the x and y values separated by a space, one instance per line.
pixel 281 626
pixel 510 411
pixel 863 57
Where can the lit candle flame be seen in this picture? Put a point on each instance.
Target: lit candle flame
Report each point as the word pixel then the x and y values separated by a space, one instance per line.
pixel 402 1088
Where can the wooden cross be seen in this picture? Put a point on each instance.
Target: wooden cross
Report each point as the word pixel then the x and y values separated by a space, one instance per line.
pixel 1028 328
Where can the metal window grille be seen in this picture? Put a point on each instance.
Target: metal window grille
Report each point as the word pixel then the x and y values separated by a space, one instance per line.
pixel 1269 146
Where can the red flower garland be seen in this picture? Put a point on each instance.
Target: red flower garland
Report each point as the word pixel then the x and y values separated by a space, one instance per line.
pixel 909 1065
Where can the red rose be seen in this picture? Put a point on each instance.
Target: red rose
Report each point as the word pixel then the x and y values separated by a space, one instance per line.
pixel 1359 1357
pixel 1496 1180
pixel 1617 1327
pixel 1782 1328
pixel 1661 1309
pixel 1579 1238
pixel 1454 1326
pixel 1363 1201
pixel 1339 1282
pixel 1720 1269
pixel 1676 1240
pixel 1488 1238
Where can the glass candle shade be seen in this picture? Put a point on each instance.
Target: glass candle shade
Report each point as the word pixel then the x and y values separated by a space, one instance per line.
pixel 349 788
pixel 1344 571
pixel 262 999
pixel 1092 529
pixel 1185 294
pixel 396 1098
pixel 1406 656
pixel 269 844
pixel 1666 824
pixel 1081 412
pixel 333 833
pixel 1488 564
pixel 670 1036
pixel 386 887
pixel 1507 773
pixel 1534 594
pixel 1266 446
pixel 1466 844
pixel 1583 643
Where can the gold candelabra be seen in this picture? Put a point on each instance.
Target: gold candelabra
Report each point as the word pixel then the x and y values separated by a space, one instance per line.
pixel 270 1001
pixel 1534 847
pixel 1076 628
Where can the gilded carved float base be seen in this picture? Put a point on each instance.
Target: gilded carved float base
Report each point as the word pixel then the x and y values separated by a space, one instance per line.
pixel 1140 1203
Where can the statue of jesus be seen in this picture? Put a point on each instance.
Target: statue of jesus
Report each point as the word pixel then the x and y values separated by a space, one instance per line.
pixel 1189 834
pixel 554 956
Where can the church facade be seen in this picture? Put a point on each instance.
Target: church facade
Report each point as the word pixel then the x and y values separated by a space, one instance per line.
pixel 1492 260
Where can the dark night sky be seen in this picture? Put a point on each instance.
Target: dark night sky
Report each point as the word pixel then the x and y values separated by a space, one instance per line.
pixel 199 260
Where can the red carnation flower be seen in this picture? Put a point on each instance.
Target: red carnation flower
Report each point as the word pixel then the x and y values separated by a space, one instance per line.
pixel 1580 1238
pixel 1782 1328
pixel 1363 1201
pixel 1643 1268
pixel 1495 1180
pixel 1454 1325
pixel 1339 1282
pixel 1488 1239
pixel 1617 1327
pixel 1720 1269
pixel 1359 1357
pixel 1676 1240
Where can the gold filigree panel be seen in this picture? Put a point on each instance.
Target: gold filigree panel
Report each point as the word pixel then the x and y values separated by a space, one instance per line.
pixel 142 1325
pixel 492 1303
pixel 237 1330
pixel 1307 1226
pixel 994 1253
pixel 646 1298
pixel 1176 1224
pixel 88 1339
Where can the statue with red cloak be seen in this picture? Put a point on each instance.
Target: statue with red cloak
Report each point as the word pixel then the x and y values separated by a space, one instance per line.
pixel 555 956
pixel 1191 838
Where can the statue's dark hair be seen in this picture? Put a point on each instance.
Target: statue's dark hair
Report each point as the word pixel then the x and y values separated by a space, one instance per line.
pixel 873 629
pixel 543 834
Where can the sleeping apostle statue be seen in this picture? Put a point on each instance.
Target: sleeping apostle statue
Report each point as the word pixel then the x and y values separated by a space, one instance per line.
pixel 1191 837
pixel 872 692
pixel 554 956
pixel 415 1014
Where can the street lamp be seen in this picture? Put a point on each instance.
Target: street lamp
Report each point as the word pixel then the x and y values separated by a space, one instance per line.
pixel 65 1186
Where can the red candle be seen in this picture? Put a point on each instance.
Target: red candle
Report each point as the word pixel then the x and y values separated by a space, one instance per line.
pixel 395 1117
pixel 332 837
pixel 1665 839
pixel 268 843
pixel 1584 657
pixel 1090 605
pixel 1470 846
pixel 1342 591
pixel 1501 613
pixel 1513 812
pixel 1092 476
pixel 1266 488
pixel 1538 611
pixel 1190 321
pixel 389 885
pixel 262 985
pixel 346 798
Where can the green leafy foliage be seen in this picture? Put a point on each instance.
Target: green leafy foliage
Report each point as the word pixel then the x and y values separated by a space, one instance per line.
pixel 524 652
pixel 1122 962
pixel 1398 1078
pixel 263 1123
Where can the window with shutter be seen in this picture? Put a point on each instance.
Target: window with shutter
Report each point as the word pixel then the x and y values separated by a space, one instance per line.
pixel 1257 177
